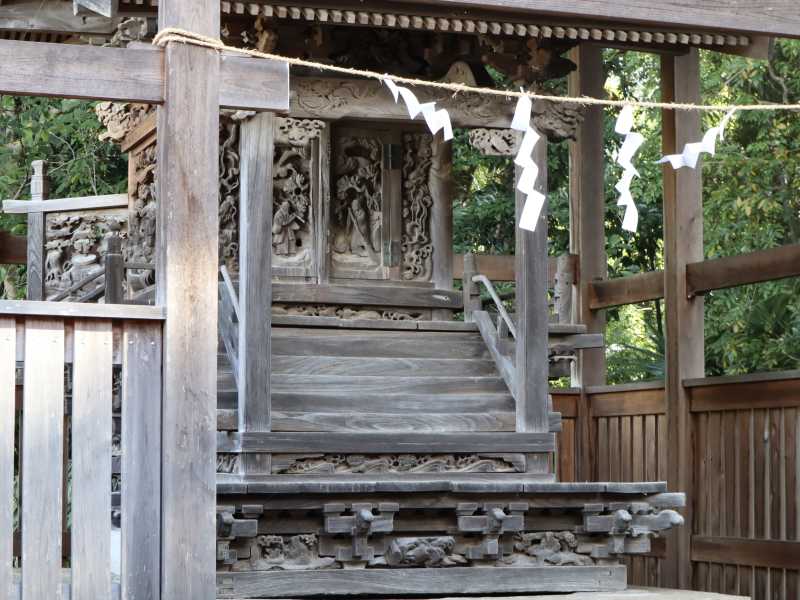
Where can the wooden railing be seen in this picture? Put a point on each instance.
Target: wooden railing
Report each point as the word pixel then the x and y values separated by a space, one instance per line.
pixel 746 467
pixel 62 431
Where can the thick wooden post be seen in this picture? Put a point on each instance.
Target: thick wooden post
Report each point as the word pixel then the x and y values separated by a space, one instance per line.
pixel 255 282
pixel 40 188
pixel 587 238
pixel 440 183
pixel 532 314
pixel 188 226
pixel 114 271
pixel 470 289
pixel 683 243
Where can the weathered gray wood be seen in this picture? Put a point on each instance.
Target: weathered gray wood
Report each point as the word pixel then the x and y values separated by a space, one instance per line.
pixel 114 271
pixel 187 259
pixel 91 460
pixel 354 384
pixel 415 346
pixel 503 363
pixel 532 316
pixel 683 243
pixel 42 452
pixel 104 8
pixel 255 280
pixel 56 17
pixel 440 183
pixel 36 233
pixel 376 443
pixel 395 367
pixel 337 323
pixel 132 75
pixel 8 363
pixel 364 422
pixel 471 291
pixel 141 461
pixel 776 17
pixel 458 580
pixel 65 204
pixel 81 311
pixel 413 297
pixel 632 289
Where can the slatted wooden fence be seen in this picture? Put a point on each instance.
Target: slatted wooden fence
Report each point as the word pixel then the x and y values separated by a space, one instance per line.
pixel 57 439
pixel 745 525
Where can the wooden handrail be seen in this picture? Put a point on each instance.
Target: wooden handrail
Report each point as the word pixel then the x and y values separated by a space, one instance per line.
pixel 77 286
pixel 512 329
pixel 77 310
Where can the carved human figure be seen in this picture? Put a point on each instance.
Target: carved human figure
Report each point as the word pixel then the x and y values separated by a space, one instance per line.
pixel 360 229
pixel 284 226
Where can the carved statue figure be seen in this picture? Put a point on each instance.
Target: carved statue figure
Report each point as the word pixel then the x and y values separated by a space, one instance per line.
pixel 284 226
pixel 360 229
pixel 423 552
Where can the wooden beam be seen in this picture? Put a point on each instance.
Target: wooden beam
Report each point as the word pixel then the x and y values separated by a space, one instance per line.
pixel 79 310
pixel 587 237
pixel 440 183
pixel 186 261
pixel 683 243
pixel 632 289
pixel 104 8
pixel 500 267
pixel 13 249
pixel 52 17
pixel 255 282
pixel 21 207
pixel 131 75
pixel 732 271
pixel 367 296
pixel 37 232
pixel 532 318
pixel 750 553
pixel 377 443
pixel 773 17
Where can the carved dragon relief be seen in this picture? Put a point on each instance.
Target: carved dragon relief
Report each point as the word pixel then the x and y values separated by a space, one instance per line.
pixel 416 244
pixel 399 463
pixel 349 312
pixel 229 193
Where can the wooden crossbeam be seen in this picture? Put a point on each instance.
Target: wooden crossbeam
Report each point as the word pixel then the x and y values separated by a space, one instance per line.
pixel 633 289
pixel 65 204
pixel 131 75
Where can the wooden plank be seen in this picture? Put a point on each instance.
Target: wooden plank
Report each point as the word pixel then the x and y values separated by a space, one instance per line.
pixel 13 249
pixel 774 17
pixel 186 282
pixel 737 551
pixel 42 451
pixel 141 461
pixel 587 235
pixel 643 402
pixel 55 17
pixel 65 204
pixel 411 347
pixel 500 267
pixel 143 134
pixel 36 233
pixel 255 280
pixel 91 460
pixel 737 379
pixel 412 297
pixel 377 443
pixel 133 74
pixel 743 396
pixel 396 367
pixel 683 243
pixel 366 384
pixel 457 580
pixel 744 269
pixel 8 363
pixel 532 316
pixel 357 421
pixel 632 289
pixel 503 363
pixel 77 310
pixel 104 8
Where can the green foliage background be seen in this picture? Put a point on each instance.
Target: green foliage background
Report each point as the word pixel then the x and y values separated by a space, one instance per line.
pixel 751 201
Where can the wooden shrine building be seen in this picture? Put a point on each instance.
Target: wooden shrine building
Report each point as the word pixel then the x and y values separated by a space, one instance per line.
pixel 260 359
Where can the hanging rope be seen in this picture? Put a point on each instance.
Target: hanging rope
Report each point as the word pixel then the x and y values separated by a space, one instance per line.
pixel 173 34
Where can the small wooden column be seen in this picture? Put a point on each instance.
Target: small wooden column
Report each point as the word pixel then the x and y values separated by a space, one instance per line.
pixel 255 282
pixel 587 236
pixel 683 243
pixel 187 263
pixel 37 228
pixel 532 318
pixel 440 182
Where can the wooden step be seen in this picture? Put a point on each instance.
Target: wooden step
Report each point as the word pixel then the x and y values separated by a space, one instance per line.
pixel 380 346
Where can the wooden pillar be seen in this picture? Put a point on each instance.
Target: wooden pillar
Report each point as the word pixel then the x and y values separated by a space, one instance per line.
pixel 470 289
pixel 440 183
pixel 37 227
pixel 683 243
pixel 587 238
pixel 255 282
pixel 114 271
pixel 188 230
pixel 532 318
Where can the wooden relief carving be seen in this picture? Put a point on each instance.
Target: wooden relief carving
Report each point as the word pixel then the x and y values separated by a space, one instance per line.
pixel 495 142
pixel 400 463
pixel 229 193
pixel 416 244
pixel 141 244
pixel 349 312
pixel 357 211
pixel 297 132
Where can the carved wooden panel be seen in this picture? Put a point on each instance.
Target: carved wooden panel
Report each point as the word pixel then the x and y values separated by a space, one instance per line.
pixel 418 201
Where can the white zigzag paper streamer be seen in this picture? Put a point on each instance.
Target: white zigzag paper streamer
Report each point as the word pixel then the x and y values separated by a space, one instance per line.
pixel 534 199
pixel 691 152
pixel 633 141
pixel 437 120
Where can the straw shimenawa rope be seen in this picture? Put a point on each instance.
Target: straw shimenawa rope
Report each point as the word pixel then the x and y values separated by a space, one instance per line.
pixel 174 34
